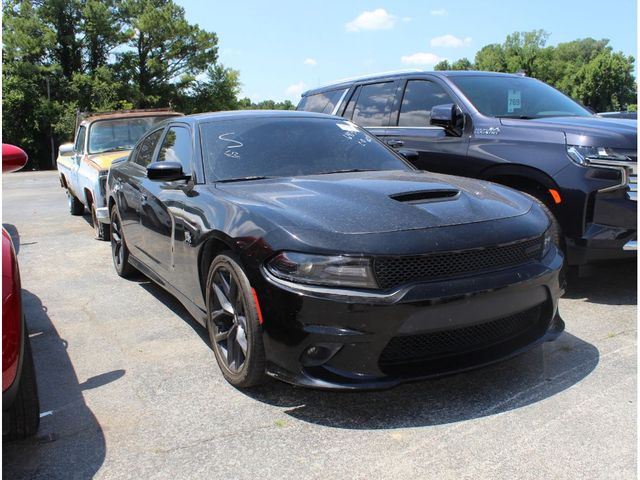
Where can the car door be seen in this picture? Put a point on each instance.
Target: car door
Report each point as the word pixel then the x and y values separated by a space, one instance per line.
pixel 130 194
pixel 78 152
pixel 162 203
pixel 411 129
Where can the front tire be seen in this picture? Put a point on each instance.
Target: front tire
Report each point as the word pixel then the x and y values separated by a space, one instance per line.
pixel 232 323
pixel 119 250
pixel 75 206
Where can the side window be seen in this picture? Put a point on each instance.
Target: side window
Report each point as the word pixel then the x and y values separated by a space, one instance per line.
pixel 373 105
pixel 348 113
pixel 79 146
pixel 144 152
pixel 323 102
pixel 176 147
pixel 420 96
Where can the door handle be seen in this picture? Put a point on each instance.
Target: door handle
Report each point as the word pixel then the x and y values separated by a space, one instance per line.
pixel 143 197
pixel 395 143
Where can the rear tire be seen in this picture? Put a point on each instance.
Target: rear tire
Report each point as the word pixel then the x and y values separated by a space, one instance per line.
pixel 232 322
pixel 119 250
pixel 24 413
pixel 75 206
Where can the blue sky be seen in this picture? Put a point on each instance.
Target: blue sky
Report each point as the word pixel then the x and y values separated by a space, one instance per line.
pixel 284 47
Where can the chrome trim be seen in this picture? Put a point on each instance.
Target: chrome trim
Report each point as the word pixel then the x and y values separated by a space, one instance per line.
pixel 631 245
pixel 335 109
pixel 628 172
pixel 341 294
pixel 102 214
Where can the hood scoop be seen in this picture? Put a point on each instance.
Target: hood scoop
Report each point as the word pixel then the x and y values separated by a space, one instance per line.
pixel 425 196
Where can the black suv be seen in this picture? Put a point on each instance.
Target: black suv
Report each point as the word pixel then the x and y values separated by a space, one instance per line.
pixel 512 130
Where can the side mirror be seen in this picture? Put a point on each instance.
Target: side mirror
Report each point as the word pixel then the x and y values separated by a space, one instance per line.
pixel 13 158
pixel 165 171
pixel 65 150
pixel 449 117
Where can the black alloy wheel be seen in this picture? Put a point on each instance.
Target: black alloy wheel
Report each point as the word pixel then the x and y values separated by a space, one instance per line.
pixel 232 323
pixel 119 250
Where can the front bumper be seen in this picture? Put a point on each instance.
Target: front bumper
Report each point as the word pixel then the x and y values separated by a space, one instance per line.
pixel 425 330
pixel 102 214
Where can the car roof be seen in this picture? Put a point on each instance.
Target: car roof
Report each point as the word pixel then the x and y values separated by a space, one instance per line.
pixel 117 115
pixel 347 82
pixel 247 114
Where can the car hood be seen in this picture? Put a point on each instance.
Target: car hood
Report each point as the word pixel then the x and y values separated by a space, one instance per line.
pixel 590 131
pixel 377 202
pixel 102 161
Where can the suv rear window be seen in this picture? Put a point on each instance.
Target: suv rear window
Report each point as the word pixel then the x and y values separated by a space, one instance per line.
pixel 323 102
pixel 373 105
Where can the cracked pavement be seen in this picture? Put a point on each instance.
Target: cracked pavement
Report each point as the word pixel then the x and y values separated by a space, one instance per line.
pixel 134 391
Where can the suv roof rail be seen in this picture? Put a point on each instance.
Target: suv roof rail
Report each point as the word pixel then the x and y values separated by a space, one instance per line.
pixel 365 77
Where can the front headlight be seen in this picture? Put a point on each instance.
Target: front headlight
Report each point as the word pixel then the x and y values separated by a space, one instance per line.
pixel 335 270
pixel 584 155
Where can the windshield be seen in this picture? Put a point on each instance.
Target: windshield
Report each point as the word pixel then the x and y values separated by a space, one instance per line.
pixel 286 147
pixel 119 134
pixel 517 97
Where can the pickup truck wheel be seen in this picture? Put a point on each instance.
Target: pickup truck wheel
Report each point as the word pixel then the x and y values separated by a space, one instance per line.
pixel 119 250
pixel 101 229
pixel 24 413
pixel 75 206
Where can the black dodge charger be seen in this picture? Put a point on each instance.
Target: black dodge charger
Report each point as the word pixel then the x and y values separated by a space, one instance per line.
pixel 315 254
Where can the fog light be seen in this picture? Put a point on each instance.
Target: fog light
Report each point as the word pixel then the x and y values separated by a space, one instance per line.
pixel 318 354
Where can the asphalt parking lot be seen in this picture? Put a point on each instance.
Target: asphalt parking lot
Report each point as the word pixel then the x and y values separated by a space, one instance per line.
pixel 129 387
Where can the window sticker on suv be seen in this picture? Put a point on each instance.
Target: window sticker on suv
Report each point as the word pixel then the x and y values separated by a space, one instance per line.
pixel 514 98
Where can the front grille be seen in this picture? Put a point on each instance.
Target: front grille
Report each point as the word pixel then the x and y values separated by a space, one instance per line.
pixel 444 343
pixel 394 271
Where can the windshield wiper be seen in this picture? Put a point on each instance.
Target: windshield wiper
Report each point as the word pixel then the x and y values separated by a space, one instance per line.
pixel 241 179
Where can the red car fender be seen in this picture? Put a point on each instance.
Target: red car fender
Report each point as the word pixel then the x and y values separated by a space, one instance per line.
pixel 11 313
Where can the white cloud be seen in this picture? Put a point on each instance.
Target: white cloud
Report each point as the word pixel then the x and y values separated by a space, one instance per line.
pixel 311 62
pixel 421 58
pixel 450 41
pixel 406 19
pixel 439 12
pixel 296 89
pixel 377 19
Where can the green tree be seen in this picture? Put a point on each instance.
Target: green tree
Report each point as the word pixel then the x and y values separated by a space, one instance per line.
pixel 462 64
pixel 442 65
pixel 606 82
pixel 491 58
pixel 166 52
pixel 219 92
